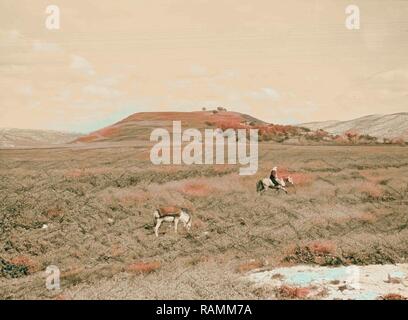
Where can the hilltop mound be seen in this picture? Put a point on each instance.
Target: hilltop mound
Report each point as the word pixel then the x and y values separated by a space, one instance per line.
pixel 140 125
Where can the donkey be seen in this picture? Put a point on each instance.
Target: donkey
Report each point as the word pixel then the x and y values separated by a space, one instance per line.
pixel 171 214
pixel 266 183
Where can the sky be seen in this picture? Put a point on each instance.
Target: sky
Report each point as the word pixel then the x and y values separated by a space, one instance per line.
pixel 283 62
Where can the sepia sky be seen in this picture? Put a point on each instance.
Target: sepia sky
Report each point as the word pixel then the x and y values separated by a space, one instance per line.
pixel 281 61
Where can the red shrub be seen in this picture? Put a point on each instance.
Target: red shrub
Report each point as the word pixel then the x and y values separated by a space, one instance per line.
pixel 108 132
pixel 399 141
pixel 393 296
pixel 88 138
pixel 196 189
pixel 251 265
pixel 301 179
pixel 24 261
pixel 322 247
pixel 371 189
pixel 75 173
pixel 54 212
pixel 287 292
pixel 366 217
pixel 143 267
pixel 351 134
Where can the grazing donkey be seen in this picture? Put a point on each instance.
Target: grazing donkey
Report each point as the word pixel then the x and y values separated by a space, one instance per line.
pixel 171 214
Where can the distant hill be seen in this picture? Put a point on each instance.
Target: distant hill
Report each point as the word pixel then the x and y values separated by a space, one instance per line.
pixel 15 138
pixel 140 125
pixel 381 126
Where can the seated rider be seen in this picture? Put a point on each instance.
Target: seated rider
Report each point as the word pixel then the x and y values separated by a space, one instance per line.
pixel 274 177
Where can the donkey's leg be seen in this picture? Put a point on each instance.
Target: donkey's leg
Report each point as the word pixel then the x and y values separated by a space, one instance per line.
pixel 156 229
pixel 176 221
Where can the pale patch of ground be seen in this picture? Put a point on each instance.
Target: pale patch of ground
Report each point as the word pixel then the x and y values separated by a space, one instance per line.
pixel 344 282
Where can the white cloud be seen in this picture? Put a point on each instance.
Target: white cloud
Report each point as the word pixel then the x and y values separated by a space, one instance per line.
pixel 82 65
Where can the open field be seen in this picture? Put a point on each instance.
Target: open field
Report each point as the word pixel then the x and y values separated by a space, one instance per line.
pixel 349 206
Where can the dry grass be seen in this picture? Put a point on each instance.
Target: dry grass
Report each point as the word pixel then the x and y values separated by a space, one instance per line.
pixel 143 267
pixel 251 265
pixel 371 190
pixel 98 204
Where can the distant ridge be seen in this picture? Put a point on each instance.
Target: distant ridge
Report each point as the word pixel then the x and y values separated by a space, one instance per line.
pixel 388 126
pixel 17 138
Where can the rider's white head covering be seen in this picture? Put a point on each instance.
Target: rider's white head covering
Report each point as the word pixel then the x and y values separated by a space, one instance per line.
pixel 275 169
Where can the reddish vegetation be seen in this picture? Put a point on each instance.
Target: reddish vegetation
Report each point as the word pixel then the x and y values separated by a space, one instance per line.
pixel 371 189
pixel 117 251
pixel 317 252
pixel 72 272
pixel 195 117
pixel 351 134
pixel 143 267
pixel 393 296
pixel 276 129
pixel 102 133
pixel 340 139
pixel 287 292
pixel 25 261
pixel 322 247
pixel 88 138
pixel 108 132
pixel 223 119
pixel 228 124
pixel 299 178
pixel 54 212
pixel 200 119
pixel 398 140
pixel 366 217
pixel 196 189
pixel 251 265
pixel 75 173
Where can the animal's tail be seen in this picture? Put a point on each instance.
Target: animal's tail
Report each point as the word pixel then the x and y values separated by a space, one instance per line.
pixel 259 186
